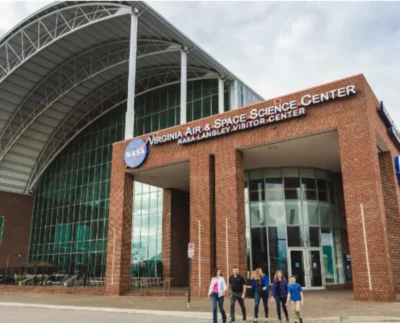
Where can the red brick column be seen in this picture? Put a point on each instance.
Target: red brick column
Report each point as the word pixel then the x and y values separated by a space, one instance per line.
pixel 230 211
pixel 363 197
pixel 119 231
pixel 201 214
pixel 166 233
pixel 389 183
pixel 175 236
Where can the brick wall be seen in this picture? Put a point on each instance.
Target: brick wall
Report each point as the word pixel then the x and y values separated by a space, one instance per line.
pixel 17 212
pixel 392 212
pixel 175 236
pixel 351 117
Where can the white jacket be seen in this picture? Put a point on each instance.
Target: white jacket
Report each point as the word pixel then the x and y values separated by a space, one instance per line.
pixel 221 286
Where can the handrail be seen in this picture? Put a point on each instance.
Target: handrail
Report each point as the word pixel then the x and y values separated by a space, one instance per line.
pixel 27 279
pixel 73 278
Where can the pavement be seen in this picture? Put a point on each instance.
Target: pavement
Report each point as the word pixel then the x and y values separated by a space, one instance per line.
pixel 320 306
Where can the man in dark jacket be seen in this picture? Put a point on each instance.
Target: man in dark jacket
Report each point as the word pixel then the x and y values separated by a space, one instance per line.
pixel 237 286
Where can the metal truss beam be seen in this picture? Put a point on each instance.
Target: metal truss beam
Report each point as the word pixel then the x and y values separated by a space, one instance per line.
pixel 71 66
pixel 48 29
pixel 51 92
pixel 94 109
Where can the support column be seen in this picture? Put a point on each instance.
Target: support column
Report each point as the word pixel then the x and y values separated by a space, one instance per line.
pixel 201 221
pixel 366 223
pixel 230 211
pixel 130 105
pixel 234 95
pixel 389 183
pixel 220 95
pixel 117 280
pixel 175 236
pixel 183 85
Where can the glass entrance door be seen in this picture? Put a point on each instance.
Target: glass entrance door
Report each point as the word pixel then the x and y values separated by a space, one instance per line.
pixel 314 269
pixel 297 266
pixel 305 264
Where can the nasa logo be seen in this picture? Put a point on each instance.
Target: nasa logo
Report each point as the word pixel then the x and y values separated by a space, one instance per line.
pixel 136 153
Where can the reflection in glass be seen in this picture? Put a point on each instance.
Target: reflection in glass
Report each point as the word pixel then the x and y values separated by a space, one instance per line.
pixel 275 213
pixel 293 215
pixel 277 250
pixel 295 236
pixel 295 204
pixel 259 249
pixel 328 255
pixel 325 214
pixel 313 237
pixel 257 214
pixel 310 213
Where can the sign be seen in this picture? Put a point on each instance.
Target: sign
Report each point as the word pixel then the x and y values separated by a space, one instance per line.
pixel 393 132
pixel 191 250
pixel 255 118
pixel 397 167
pixel 136 153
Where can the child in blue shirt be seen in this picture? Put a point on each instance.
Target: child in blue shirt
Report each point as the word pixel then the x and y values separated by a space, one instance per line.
pixel 295 296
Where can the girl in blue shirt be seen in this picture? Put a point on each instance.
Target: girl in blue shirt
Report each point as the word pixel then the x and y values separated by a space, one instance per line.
pixel 279 294
pixel 260 287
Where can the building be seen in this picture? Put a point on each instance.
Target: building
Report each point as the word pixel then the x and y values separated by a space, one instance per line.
pixel 122 141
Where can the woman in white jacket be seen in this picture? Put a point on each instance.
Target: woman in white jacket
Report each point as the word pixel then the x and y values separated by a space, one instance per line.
pixel 216 292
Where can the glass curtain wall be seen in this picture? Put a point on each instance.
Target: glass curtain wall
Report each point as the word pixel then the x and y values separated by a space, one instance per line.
pixel 161 108
pixel 146 231
pixel 70 216
pixel 292 207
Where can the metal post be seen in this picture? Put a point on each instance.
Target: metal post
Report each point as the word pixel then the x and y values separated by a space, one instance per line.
pixel 190 269
pixel 183 85
pixel 130 106
pixel 220 95
pixel 8 261
pixel 234 95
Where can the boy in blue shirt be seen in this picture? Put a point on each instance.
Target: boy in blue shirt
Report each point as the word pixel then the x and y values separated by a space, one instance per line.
pixel 295 296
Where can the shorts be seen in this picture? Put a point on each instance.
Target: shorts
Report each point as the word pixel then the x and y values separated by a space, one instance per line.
pixel 296 305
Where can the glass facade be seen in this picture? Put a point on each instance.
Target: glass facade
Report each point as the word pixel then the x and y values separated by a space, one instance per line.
pixel 70 215
pixel 147 229
pixel 160 108
pixel 293 208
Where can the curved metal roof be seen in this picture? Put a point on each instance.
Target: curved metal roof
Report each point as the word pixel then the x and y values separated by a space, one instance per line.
pixel 66 65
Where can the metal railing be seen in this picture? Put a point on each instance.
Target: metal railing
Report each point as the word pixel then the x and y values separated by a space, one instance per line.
pixel 80 275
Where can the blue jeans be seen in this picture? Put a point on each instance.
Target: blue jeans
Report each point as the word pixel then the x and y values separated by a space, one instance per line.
pixel 258 295
pixel 281 300
pixel 220 300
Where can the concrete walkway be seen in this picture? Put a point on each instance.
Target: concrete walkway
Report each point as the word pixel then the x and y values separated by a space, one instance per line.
pixel 319 306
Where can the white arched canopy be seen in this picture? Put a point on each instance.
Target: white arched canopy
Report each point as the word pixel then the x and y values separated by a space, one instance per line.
pixel 68 64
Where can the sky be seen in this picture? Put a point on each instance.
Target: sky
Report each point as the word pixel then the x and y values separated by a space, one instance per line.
pixel 281 47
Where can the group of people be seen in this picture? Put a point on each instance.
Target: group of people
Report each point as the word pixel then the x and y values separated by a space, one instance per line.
pixel 282 294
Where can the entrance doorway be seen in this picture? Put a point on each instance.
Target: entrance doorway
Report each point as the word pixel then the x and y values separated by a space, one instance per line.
pixel 305 264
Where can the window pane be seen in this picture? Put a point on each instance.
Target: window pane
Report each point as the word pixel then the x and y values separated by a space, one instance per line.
pixel 325 214
pixel 293 213
pixel 310 213
pixel 259 249
pixel 275 213
pixel 328 255
pixel 277 250
pixel 257 214
pixel 295 236
pixel 313 237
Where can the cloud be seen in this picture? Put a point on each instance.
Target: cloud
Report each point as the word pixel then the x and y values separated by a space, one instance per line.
pixel 278 48
pixel 281 47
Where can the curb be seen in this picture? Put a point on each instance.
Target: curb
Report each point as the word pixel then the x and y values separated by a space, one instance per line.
pixel 188 314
